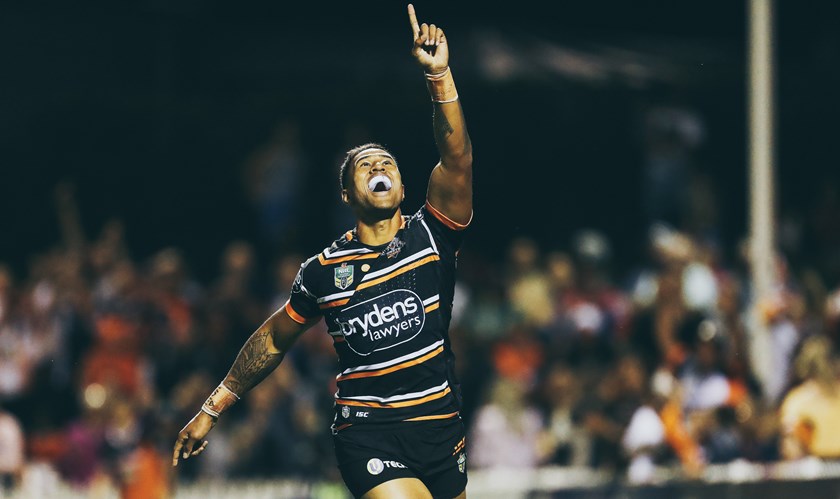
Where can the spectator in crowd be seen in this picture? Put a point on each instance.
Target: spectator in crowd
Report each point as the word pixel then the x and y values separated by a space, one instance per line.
pixel 519 355
pixel 607 410
pixel 672 134
pixel 527 285
pixel 273 177
pixel 560 393
pixel 285 270
pixel 11 451
pixel 507 431
pixel 591 313
pixel 641 441
pixel 809 412
pixel 237 289
pixel 709 397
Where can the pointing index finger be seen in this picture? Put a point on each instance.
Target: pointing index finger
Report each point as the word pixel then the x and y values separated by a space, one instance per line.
pixel 177 451
pixel 412 18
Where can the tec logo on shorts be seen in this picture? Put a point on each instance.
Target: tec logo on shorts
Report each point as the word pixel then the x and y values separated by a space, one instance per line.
pixel 376 466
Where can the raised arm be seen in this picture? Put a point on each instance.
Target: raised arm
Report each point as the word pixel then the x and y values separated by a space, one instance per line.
pixel 260 355
pixel 450 185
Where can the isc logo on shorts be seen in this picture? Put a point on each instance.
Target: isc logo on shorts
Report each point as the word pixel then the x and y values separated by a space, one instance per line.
pixel 376 466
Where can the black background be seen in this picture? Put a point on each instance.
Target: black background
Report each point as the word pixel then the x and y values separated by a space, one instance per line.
pixel 151 109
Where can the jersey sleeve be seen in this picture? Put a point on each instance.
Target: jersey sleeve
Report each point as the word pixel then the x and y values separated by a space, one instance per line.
pixel 302 306
pixel 447 233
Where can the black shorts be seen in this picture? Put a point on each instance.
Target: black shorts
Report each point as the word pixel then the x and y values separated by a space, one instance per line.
pixel 431 451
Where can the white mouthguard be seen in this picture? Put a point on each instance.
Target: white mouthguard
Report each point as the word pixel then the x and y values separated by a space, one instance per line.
pixel 377 179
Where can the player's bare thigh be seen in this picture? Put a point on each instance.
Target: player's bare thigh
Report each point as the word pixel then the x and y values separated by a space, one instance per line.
pixel 403 488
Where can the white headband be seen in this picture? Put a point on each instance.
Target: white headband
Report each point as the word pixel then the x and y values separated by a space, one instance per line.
pixel 366 153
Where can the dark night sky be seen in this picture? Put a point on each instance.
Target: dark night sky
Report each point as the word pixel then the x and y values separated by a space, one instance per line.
pixel 150 110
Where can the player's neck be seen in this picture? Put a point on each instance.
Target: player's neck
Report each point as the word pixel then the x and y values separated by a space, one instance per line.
pixel 380 231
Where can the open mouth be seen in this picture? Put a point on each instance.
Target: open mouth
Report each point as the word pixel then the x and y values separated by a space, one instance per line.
pixel 380 183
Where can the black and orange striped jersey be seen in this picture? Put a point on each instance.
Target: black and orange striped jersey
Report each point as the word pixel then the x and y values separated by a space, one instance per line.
pixel 388 310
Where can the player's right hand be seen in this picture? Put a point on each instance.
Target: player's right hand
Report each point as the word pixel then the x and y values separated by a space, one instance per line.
pixel 191 439
pixel 430 48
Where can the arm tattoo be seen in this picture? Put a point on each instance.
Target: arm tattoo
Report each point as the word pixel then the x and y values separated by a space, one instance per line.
pixel 443 129
pixel 253 363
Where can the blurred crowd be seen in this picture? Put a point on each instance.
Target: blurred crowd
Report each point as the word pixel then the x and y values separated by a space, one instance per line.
pixel 563 359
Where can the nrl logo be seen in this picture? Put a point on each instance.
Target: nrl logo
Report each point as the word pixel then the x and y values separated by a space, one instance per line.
pixel 394 247
pixel 343 276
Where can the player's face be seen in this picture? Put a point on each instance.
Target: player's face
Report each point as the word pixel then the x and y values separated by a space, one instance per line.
pixel 377 183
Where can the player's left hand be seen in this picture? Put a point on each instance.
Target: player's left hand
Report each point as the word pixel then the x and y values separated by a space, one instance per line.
pixel 430 48
pixel 191 440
